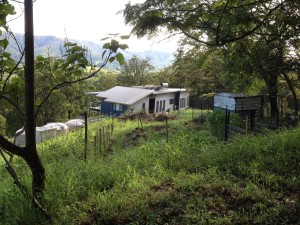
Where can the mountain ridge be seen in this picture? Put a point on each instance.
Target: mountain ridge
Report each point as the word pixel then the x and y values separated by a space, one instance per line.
pixel 49 44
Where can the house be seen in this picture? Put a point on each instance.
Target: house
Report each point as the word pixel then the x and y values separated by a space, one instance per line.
pixel 149 99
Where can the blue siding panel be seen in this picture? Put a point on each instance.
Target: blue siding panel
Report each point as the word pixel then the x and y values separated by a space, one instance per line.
pixel 107 109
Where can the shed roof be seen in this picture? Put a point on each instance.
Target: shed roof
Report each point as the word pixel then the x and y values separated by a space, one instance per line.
pixel 233 95
pixel 124 95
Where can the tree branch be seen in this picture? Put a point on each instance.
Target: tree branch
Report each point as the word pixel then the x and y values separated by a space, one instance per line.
pixel 11 148
pixel 12 72
pixel 66 83
pixel 219 22
pixel 13 104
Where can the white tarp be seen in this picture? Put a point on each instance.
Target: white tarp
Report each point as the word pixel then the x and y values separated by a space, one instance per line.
pixel 49 130
pixel 61 128
pixel 41 133
pixel 75 124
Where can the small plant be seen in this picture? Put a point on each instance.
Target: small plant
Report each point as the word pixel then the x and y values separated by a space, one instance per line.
pixel 216 122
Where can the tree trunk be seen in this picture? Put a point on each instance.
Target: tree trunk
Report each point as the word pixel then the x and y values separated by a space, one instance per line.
pixel 31 155
pixel 292 89
pixel 69 114
pixel 38 173
pixel 271 81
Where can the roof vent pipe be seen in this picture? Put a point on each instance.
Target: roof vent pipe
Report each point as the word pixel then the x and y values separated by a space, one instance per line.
pixel 164 85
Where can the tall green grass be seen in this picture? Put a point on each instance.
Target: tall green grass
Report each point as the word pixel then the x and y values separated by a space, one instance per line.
pixel 189 178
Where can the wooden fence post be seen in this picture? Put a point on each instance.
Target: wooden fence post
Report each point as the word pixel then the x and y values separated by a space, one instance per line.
pixel 113 124
pixel 108 134
pixel 111 130
pixel 85 136
pixel 95 145
pixel 167 129
pixel 226 122
pixel 247 125
pixel 100 140
pixel 192 113
pixel 103 132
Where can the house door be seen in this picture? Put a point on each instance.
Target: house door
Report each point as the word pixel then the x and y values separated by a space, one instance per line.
pixel 151 105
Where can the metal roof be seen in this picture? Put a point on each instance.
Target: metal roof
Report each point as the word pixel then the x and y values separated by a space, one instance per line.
pixel 124 95
pixel 168 90
pixel 233 95
pixel 130 95
pixel 92 92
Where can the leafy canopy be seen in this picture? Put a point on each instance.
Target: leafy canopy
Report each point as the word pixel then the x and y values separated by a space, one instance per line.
pixel 215 22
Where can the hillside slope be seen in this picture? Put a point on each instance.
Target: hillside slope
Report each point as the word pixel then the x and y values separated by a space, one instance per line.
pixel 147 177
pixel 53 45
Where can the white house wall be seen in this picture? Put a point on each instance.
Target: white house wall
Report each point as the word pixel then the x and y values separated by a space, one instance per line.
pixel 138 106
pixel 167 97
pixel 186 96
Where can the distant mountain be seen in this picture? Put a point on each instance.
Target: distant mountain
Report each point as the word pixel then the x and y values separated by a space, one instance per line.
pixel 54 46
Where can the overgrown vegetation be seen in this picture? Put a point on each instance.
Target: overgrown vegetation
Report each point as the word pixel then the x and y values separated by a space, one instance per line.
pixel 189 178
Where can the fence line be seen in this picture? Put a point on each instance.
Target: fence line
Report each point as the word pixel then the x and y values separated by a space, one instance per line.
pixel 102 139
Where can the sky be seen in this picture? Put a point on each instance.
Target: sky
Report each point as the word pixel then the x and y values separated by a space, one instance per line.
pixel 85 20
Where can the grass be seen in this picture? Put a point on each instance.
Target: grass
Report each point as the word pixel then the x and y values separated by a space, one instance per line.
pixel 191 178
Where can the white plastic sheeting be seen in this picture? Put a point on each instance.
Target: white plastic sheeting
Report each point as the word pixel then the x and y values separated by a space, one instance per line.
pixel 41 134
pixel 61 128
pixel 50 130
pixel 47 131
pixel 75 124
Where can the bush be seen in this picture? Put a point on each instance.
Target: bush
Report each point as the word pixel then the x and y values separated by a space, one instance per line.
pixel 216 123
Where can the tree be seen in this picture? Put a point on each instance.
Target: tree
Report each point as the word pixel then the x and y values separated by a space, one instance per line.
pixel 202 71
pixel 134 72
pixel 215 22
pixel 103 81
pixel 265 24
pixel 65 71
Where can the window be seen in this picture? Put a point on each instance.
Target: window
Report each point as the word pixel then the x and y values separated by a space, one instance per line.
pixel 143 107
pixel 160 106
pixel 172 101
pixel 182 102
pixel 117 107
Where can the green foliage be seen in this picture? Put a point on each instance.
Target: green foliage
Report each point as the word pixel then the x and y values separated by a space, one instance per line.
pixel 2 124
pixel 113 46
pixel 217 123
pixel 215 22
pixel 135 72
pixel 57 94
pixel 254 46
pixel 6 9
pixel 191 179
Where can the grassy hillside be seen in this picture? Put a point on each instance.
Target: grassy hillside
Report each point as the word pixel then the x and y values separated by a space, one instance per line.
pixel 143 178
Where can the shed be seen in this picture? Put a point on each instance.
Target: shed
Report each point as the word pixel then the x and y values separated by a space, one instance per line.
pixel 245 105
pixel 237 102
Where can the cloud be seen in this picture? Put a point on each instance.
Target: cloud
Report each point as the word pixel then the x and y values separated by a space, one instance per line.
pixel 85 20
